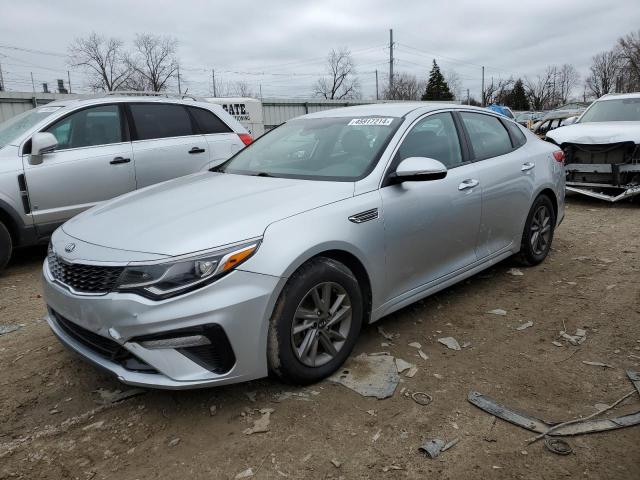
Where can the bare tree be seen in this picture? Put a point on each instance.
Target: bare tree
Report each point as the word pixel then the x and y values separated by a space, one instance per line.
pixel 405 87
pixel 629 52
pixel 540 89
pixel 604 71
pixel 455 83
pixel 497 91
pixel 154 62
pixel 242 89
pixel 103 59
pixel 341 81
pixel 567 78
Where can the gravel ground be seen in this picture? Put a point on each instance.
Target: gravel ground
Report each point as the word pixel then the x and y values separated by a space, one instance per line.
pixel 53 426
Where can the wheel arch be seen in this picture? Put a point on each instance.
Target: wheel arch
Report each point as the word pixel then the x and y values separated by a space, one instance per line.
pixel 552 196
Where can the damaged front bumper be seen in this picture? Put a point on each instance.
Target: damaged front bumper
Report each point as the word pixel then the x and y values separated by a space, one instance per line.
pixel 609 172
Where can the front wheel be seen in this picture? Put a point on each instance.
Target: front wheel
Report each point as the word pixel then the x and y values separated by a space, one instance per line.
pixel 315 323
pixel 538 231
pixel 5 246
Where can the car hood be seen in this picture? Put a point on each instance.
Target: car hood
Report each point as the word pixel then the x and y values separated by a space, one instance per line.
pixel 200 212
pixel 595 133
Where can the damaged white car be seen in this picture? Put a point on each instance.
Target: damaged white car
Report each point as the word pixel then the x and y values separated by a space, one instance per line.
pixel 602 148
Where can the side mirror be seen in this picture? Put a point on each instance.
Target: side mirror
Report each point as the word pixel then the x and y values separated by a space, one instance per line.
pixel 41 143
pixel 418 169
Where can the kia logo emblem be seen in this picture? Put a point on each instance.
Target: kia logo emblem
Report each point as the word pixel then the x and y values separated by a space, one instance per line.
pixel 70 248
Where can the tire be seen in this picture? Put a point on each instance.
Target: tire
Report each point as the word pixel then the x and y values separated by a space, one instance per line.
pixel 284 347
pixel 535 248
pixel 6 246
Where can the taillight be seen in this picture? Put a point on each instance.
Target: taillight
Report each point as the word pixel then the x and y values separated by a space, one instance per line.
pixel 559 156
pixel 246 138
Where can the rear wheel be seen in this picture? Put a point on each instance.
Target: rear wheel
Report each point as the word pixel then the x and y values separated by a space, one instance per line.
pixel 316 322
pixel 5 246
pixel 538 231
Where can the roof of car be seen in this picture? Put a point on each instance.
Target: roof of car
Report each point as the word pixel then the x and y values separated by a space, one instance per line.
pixel 618 96
pixel 397 109
pixel 80 102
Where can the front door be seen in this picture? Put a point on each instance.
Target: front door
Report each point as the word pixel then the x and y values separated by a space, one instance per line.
pixel 92 163
pixel 431 227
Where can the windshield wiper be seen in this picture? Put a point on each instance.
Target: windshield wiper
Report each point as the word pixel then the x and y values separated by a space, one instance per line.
pixel 216 169
pixel 263 174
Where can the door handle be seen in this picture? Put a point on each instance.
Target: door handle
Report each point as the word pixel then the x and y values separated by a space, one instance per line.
pixel 119 160
pixel 527 166
pixel 468 183
pixel 196 150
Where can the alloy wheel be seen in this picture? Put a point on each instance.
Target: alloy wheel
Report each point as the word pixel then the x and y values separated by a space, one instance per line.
pixel 321 324
pixel 540 230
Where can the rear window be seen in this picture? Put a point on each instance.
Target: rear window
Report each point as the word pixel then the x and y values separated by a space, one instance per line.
pixel 208 122
pixel 488 136
pixel 157 120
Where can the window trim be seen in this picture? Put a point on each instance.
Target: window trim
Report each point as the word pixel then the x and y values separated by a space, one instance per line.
pixel 197 126
pixel 136 136
pixel 476 158
pixel 391 168
pixel 124 131
pixel 514 140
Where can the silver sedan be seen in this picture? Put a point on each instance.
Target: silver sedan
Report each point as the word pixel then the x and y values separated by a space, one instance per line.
pixel 273 261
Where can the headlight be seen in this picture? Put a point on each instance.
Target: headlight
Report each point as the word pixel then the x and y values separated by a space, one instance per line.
pixel 166 280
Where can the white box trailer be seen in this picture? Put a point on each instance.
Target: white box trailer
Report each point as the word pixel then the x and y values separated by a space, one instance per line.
pixel 247 111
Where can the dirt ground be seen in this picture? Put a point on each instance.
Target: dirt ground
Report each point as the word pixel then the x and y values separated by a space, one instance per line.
pixel 51 425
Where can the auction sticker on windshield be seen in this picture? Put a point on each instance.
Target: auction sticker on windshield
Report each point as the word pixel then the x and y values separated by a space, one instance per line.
pixel 383 122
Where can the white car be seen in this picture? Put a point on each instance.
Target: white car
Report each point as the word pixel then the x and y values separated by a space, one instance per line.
pixel 60 159
pixel 602 148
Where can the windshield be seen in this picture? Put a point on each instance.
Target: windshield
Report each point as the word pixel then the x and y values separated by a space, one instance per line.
pixel 16 126
pixel 340 148
pixel 620 110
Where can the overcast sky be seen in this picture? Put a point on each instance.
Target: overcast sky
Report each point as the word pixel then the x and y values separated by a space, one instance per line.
pixel 282 45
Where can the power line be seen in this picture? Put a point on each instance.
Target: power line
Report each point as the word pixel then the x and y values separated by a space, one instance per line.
pixel 32 50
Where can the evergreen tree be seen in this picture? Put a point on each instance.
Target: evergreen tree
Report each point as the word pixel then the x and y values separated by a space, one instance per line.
pixel 437 87
pixel 517 98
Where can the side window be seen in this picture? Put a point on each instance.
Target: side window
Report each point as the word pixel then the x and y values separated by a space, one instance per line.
pixel 88 127
pixel 208 122
pixel 489 138
pixel 517 136
pixel 435 137
pixel 160 120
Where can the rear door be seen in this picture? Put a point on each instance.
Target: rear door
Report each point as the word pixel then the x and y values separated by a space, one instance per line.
pixel 221 139
pixel 92 163
pixel 507 178
pixel 166 143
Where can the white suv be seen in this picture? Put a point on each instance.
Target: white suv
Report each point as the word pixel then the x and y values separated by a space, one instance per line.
pixel 62 158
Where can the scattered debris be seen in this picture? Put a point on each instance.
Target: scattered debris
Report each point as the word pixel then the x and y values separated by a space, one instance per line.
pixel 371 412
pixel 94 426
pixel 4 329
pixel 557 344
pixel 635 379
pixel 466 344
pixel 370 376
pixel 436 446
pixel 174 442
pixel 597 364
pixel 282 396
pixel 401 365
pixel 336 463
pixel 245 474
pixel 525 325
pixel 251 396
pixel 576 339
pixel 497 311
pixel 306 458
pixel 114 396
pixel 423 355
pixel 412 371
pixel 438 376
pixel 415 345
pixel 516 272
pixel 572 427
pixel 611 287
pixel 261 425
pixel 450 342
pixel 213 409
pixel 422 398
pixel 388 336
pixel 376 436
pixel 391 467
pixel 558 446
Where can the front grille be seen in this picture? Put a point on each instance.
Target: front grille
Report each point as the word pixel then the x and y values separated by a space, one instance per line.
pixel 81 277
pixel 103 346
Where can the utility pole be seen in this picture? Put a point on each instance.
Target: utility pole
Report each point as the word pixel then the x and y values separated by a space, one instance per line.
pixel 391 61
pixel 260 92
pixel 377 97
pixel 33 85
pixel 213 82
pixel 1 79
pixel 468 99
pixel 179 89
pixel 482 93
pixel 69 80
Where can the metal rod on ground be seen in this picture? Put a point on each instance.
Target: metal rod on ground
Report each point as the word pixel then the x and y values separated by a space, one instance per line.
pixel 69 80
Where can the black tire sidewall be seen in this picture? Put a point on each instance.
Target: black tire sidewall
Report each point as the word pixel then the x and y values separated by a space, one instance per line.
pixel 6 246
pixel 526 250
pixel 283 360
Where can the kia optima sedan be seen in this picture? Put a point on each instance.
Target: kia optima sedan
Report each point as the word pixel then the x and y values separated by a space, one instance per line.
pixel 273 261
